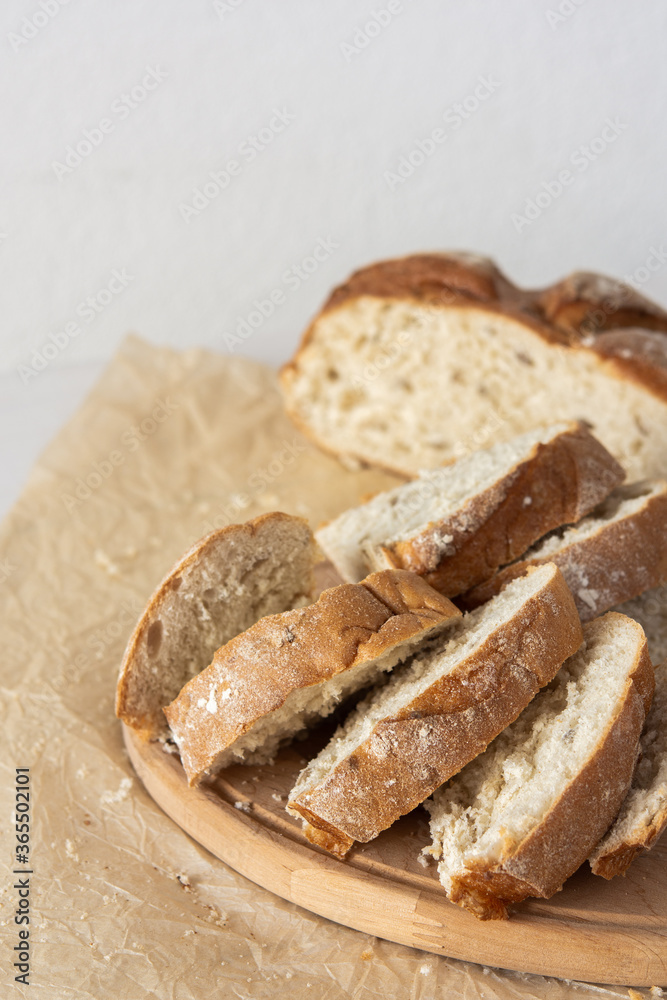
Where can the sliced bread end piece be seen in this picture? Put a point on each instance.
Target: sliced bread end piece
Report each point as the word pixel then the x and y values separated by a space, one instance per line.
pixel 438 712
pixel 643 815
pixel 220 587
pixel 290 669
pixel 522 817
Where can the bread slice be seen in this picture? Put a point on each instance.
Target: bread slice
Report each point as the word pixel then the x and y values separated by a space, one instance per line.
pixel 456 525
pixel 437 713
pixel 614 554
pixel 643 814
pixel 220 587
pixel 523 816
pixel 417 361
pixel 289 669
pixel 650 610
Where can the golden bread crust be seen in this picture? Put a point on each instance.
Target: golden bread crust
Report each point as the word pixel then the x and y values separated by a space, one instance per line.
pixel 254 673
pixel 620 561
pixel 408 755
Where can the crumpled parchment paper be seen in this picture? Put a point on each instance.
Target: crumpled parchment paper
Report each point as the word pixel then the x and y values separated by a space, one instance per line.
pixel 124 904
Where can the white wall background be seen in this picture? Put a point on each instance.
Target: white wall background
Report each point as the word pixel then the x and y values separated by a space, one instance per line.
pixel 559 70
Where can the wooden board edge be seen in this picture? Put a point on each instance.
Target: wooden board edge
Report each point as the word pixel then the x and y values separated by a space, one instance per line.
pixel 373 904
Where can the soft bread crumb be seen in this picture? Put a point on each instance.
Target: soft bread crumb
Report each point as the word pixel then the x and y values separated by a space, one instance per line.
pixel 437 712
pixel 482 817
pixel 416 677
pixel 410 418
pixel 643 815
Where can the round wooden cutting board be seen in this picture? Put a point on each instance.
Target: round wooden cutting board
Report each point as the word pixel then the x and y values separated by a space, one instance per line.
pixel 594 930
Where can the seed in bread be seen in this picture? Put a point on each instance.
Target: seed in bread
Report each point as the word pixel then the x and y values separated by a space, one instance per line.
pixel 220 587
pixel 643 814
pixel 456 525
pixel 522 817
pixel 438 712
pixel 290 669
pixel 610 556
pixel 416 361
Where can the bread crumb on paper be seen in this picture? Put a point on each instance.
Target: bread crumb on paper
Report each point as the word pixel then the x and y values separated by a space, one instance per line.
pixel 367 955
pixel 106 798
pixel 215 916
pixel 268 500
pixel 70 851
pixel 104 562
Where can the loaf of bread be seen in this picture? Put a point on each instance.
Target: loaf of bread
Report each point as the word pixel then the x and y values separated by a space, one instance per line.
pixel 289 669
pixel 611 556
pixel 456 525
pixel 417 361
pixel 438 712
pixel 523 816
pixel 220 587
pixel 643 814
